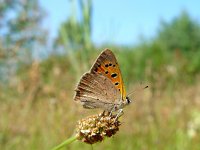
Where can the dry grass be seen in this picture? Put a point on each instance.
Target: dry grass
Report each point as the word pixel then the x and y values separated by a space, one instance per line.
pixel 42 114
pixel 155 120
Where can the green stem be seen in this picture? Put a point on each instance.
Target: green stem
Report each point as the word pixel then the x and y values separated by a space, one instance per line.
pixel 66 142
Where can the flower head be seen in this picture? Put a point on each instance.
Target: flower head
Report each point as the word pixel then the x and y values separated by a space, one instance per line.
pixel 95 128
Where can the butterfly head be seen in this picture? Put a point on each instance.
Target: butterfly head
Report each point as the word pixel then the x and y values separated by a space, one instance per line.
pixel 128 100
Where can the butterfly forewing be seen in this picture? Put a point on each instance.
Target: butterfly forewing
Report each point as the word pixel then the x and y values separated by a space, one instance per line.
pixel 107 65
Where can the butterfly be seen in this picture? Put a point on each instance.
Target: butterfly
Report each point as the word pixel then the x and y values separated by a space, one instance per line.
pixel 102 87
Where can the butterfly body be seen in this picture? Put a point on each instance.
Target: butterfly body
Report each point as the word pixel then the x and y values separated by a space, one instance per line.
pixel 102 87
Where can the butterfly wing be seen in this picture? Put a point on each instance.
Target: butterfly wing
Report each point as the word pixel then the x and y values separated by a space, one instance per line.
pixel 97 91
pixel 107 65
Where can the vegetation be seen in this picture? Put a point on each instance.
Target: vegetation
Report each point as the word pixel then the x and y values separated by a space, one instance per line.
pixel 36 97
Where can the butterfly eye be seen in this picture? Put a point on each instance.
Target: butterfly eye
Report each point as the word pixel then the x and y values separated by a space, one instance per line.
pixel 128 100
pixel 106 72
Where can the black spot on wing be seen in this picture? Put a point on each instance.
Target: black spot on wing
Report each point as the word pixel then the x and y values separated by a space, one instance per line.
pixel 106 65
pixel 113 75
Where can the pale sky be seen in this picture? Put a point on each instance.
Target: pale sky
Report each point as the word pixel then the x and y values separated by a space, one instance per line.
pixel 121 22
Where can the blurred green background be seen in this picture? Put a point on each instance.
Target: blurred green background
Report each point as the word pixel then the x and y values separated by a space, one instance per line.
pixel 37 110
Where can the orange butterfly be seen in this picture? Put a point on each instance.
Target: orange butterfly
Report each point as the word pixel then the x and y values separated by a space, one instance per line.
pixel 103 86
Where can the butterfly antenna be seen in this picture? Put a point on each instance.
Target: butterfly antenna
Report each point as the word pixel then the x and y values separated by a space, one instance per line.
pixel 137 90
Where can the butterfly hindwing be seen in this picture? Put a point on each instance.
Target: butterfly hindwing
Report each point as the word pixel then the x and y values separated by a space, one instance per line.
pixel 92 92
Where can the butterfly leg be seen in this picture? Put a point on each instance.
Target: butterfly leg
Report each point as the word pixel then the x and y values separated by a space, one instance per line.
pixel 112 110
pixel 103 113
pixel 119 114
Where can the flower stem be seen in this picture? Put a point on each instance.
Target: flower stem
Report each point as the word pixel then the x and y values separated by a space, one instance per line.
pixel 66 142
